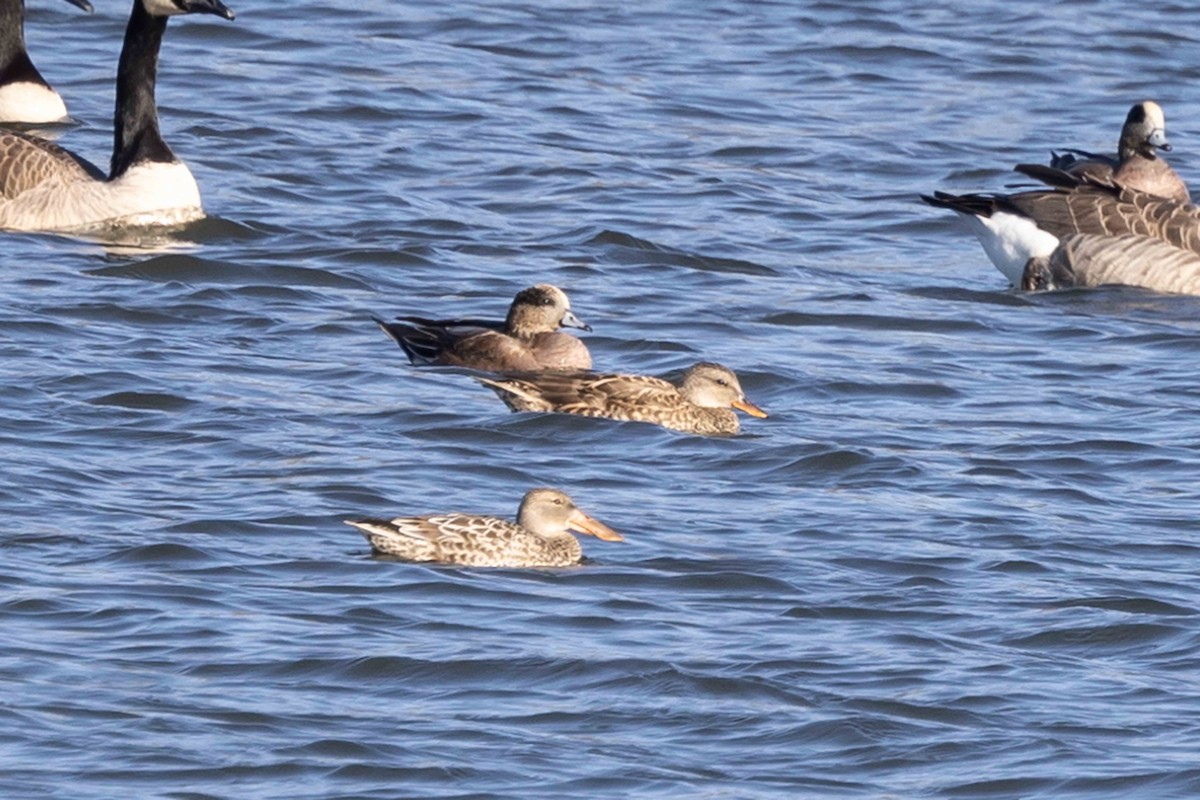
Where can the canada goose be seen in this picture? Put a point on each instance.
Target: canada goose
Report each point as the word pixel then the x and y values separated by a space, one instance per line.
pixel 1083 231
pixel 46 188
pixel 539 538
pixel 700 402
pixel 1136 163
pixel 24 94
pixel 529 339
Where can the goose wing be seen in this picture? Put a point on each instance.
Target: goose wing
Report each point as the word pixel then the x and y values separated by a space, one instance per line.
pixel 1079 204
pixel 1084 260
pixel 27 162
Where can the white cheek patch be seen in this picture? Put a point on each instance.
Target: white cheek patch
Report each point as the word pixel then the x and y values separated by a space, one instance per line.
pixel 161 8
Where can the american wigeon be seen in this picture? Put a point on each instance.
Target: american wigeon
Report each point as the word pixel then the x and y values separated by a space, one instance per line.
pixel 1136 164
pixel 529 339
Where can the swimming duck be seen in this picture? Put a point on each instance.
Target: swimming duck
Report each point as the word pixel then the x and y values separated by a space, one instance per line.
pixel 1136 165
pixel 701 402
pixel 528 340
pixel 24 94
pixel 1082 231
pixel 539 538
pixel 46 188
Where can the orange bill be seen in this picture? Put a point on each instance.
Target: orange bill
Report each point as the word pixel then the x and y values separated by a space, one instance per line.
pixel 749 408
pixel 581 522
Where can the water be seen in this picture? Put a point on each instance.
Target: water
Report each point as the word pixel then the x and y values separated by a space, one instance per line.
pixel 956 561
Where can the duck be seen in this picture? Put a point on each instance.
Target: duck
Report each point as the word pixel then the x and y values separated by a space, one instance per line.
pixel 25 96
pixel 528 340
pixel 1081 231
pixel 540 537
pixel 700 402
pixel 1136 163
pixel 44 187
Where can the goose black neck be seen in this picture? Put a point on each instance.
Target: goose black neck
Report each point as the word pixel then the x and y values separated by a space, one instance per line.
pixel 135 124
pixel 15 66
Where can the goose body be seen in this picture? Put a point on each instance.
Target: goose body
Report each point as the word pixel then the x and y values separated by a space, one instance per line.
pixel 1136 163
pixel 53 190
pixel 541 536
pixel 46 188
pixel 702 402
pixel 528 340
pixel 1081 231
pixel 25 96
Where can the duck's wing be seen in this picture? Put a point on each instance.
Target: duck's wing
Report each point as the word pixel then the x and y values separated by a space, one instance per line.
pixel 1071 159
pixel 589 394
pixel 447 538
pixel 432 341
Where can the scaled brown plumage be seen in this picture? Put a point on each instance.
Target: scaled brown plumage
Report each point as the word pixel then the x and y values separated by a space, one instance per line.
pixel 701 402
pixel 539 538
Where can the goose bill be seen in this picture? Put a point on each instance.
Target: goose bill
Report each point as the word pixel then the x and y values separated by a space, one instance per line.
pixel 206 7
pixel 582 523
pixel 749 408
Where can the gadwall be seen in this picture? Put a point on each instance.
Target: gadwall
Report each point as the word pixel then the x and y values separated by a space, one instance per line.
pixel 701 402
pixel 528 340
pixel 539 538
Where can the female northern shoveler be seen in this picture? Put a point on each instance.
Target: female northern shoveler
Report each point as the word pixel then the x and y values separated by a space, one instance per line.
pixel 539 538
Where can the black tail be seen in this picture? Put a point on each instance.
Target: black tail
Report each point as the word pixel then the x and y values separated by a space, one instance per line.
pixel 1050 176
pixel 978 205
pixel 417 343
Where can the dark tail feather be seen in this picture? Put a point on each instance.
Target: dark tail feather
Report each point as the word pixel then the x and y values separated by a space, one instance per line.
pixel 1050 175
pixel 940 200
pixel 979 205
pixel 1069 157
pixel 417 344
